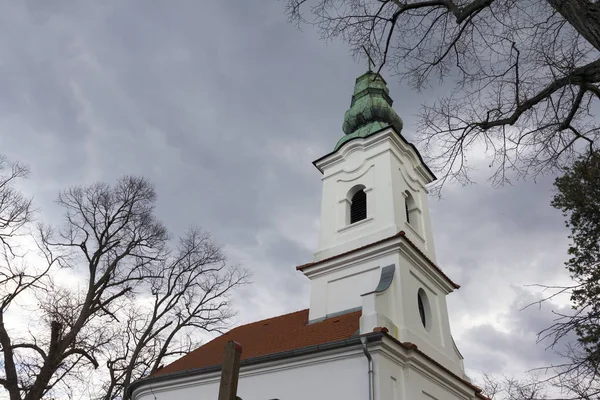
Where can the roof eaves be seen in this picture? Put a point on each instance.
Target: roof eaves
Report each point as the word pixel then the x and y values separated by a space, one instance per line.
pixel 434 265
pixel 413 347
pixel 412 146
pixel 397 235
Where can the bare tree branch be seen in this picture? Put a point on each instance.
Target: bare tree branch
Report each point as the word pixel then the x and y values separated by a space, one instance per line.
pixel 140 301
pixel 525 74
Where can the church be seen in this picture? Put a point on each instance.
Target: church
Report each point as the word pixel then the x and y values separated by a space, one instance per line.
pixel 378 326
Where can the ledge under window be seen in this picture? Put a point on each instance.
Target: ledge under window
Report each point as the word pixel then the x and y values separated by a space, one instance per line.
pixel 358 223
pixel 414 230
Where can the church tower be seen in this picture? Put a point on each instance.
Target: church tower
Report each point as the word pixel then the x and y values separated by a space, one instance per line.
pixel 377 327
pixel 375 251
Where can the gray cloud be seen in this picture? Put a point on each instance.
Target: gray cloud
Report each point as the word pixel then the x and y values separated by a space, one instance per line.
pixel 224 106
pixel 512 347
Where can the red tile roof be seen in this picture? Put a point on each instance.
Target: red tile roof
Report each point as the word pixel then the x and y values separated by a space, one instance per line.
pixel 284 333
pixel 270 336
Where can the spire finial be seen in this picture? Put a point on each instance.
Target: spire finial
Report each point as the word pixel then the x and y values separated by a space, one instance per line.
pixel 371 108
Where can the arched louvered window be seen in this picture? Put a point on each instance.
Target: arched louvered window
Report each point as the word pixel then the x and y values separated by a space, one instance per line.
pixel 424 309
pixel 358 206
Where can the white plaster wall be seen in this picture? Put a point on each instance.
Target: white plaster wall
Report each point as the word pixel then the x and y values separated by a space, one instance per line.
pixel 422 388
pixel 343 293
pixel 435 339
pixel 418 231
pixel 386 167
pixel 403 379
pixel 397 307
pixel 339 377
pixel 340 289
pixel 357 168
pixel 341 374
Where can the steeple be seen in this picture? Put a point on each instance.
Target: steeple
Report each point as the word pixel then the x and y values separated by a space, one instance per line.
pixel 375 250
pixel 374 182
pixel 371 109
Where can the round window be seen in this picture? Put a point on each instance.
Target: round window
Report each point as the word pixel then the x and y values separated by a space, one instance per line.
pixel 424 312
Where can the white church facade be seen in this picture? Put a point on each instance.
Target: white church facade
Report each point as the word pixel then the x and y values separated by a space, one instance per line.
pixel 377 327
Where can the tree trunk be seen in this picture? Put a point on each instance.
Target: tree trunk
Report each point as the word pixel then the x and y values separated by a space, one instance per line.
pixel 583 15
pixel 12 381
pixel 51 363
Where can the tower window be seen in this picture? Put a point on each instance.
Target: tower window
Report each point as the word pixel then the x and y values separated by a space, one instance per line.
pixel 412 212
pixel 358 206
pixel 410 207
pixel 424 309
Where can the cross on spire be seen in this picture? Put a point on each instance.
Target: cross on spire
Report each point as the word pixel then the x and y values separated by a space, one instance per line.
pixel 370 62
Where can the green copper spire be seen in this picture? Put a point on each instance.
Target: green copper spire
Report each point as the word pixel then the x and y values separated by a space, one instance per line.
pixel 371 109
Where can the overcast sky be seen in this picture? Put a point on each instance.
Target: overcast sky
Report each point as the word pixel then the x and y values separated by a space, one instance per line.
pixel 224 105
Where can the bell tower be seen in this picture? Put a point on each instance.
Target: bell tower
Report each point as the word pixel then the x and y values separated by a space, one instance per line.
pixel 375 249
pixel 373 159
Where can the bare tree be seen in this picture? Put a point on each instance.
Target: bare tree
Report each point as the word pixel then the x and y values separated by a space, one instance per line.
pixel 15 209
pixel 536 385
pixel 15 213
pixel 510 388
pixel 578 371
pixel 188 292
pixel 526 74
pixel 109 293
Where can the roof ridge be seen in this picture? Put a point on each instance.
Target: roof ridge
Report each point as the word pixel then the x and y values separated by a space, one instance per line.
pixel 267 319
pixel 336 315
